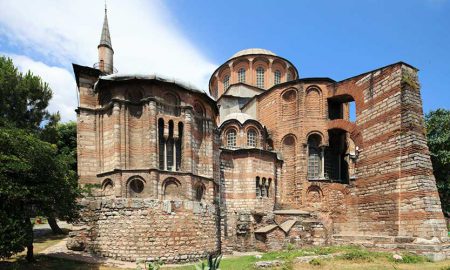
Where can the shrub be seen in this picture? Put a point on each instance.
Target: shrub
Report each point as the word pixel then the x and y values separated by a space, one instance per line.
pixel 409 257
pixel 357 255
pixel 143 265
pixel 315 262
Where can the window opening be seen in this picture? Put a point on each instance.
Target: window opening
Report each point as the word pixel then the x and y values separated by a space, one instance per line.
pixel 260 77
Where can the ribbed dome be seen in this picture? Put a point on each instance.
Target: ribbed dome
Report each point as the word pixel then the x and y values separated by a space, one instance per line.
pixel 252 51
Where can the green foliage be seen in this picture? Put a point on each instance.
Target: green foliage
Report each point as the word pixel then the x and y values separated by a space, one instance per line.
pixel 357 255
pixel 143 265
pixel 33 180
pixel 409 257
pixel 315 262
pixel 290 247
pixel 36 177
pixel 213 263
pixel 438 134
pixel 23 97
pixel 13 230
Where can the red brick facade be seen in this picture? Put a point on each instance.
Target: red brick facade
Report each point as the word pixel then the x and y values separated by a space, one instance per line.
pixel 277 157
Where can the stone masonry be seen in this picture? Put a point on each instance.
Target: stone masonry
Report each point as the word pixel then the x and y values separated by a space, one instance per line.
pixel 266 160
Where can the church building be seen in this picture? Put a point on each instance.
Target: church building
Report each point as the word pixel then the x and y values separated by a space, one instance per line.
pixel 263 159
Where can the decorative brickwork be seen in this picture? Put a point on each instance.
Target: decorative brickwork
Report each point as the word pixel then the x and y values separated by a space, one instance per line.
pixel 275 160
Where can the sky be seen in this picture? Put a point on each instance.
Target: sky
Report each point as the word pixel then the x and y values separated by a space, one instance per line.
pixel 188 39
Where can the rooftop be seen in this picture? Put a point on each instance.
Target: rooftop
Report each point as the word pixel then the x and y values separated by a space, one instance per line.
pixel 252 51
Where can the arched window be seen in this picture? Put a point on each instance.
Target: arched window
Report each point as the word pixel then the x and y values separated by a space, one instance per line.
pixel 135 187
pixel 107 187
pixel 179 146
pixel 199 192
pixel 161 144
pixel 260 77
pixel 263 187
pixel 289 77
pixel 231 138
pixel 241 75
pixel 172 189
pixel 269 181
pixel 226 82
pixel 258 187
pixel 314 157
pixel 170 148
pixel 251 138
pixel 277 77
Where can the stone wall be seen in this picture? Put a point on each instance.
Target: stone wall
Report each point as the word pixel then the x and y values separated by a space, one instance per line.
pixel 133 229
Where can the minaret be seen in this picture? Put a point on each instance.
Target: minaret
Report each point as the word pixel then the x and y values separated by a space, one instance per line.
pixel 105 50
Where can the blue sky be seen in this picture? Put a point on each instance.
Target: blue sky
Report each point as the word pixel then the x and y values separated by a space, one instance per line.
pixel 189 39
pixel 336 39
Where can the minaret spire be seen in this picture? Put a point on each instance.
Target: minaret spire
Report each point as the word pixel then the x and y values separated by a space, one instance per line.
pixel 105 50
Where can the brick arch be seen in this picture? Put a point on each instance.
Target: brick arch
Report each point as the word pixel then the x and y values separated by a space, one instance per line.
pixel 228 128
pixel 316 132
pixel 289 103
pixel 107 187
pixel 314 188
pixel 314 196
pixel 129 191
pixel 289 152
pixel 199 191
pixel 350 127
pixel 171 189
pixel 313 101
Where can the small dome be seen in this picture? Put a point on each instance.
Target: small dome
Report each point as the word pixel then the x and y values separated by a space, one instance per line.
pixel 252 51
pixel 241 117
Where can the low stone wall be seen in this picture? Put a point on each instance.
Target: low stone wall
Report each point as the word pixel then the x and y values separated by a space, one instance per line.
pixel 134 229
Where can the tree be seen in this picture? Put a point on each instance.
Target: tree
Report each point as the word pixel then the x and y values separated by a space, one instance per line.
pixel 64 136
pixel 36 177
pixel 23 97
pixel 33 179
pixel 438 133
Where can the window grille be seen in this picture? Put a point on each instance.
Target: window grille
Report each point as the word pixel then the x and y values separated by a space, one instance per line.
pixel 277 77
pixel 226 82
pixel 231 138
pixel 314 158
pixel 241 75
pixel 251 138
pixel 260 77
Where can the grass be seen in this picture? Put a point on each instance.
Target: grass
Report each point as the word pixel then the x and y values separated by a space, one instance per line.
pixel 347 258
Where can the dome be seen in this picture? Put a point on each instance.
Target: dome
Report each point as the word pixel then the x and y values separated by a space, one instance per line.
pixel 241 117
pixel 252 51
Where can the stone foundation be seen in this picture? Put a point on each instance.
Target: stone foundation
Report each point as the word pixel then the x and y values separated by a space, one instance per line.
pixel 135 229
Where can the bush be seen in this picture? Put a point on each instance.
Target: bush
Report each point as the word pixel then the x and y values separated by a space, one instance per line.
pixel 143 265
pixel 357 255
pixel 315 262
pixel 409 257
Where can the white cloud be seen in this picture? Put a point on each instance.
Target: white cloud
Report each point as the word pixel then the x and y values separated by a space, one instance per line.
pixel 60 80
pixel 61 32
